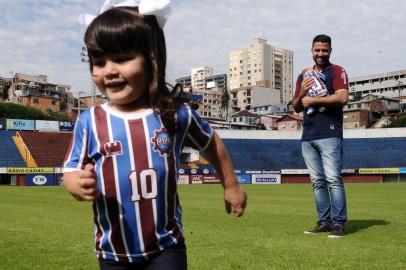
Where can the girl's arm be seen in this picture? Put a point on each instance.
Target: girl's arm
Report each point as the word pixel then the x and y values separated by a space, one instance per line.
pixel 235 197
pixel 82 184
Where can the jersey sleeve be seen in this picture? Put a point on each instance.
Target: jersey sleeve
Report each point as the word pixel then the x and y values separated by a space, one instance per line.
pixel 77 155
pixel 340 79
pixel 198 132
pixel 298 85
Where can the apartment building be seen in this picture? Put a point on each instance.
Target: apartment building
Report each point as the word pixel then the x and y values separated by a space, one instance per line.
pixel 211 102
pixel 186 82
pixel 274 109
pixel 389 84
pixel 35 91
pixel 212 88
pixel 261 64
pixel 199 75
pixel 243 98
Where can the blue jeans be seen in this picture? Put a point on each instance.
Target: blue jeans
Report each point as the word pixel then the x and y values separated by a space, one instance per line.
pixel 323 159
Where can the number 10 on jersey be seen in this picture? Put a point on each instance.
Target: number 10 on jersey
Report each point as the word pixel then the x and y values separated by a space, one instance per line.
pixel 142 178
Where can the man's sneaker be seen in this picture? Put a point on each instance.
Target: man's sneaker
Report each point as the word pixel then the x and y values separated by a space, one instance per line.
pixel 319 229
pixel 337 232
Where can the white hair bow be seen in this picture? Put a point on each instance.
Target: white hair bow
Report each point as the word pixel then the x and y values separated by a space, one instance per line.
pixel 159 8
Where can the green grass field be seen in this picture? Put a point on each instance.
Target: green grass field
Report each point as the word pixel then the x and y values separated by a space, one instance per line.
pixel 44 228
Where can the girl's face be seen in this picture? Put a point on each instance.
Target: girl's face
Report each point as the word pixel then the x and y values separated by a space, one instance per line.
pixel 123 79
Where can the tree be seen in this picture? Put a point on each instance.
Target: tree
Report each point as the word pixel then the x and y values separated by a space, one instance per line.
pixel 398 122
pixel 57 116
pixel 17 111
pixel 224 104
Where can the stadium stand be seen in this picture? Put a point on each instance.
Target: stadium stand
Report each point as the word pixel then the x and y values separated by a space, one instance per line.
pixel 264 150
pixel 47 148
pixel 10 156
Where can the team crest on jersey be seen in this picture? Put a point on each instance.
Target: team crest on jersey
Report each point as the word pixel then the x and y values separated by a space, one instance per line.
pixel 113 148
pixel 162 142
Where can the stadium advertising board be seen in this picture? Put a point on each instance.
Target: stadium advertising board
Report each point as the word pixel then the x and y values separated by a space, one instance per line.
pixel 403 170
pixel 3 170
pixel 211 179
pixel 3 123
pixel 19 170
pixel 244 178
pixel 183 179
pixel 196 179
pixel 40 180
pixel 43 125
pixel 266 178
pixel 58 170
pixel 378 171
pixel 295 171
pixel 197 171
pixel 66 126
pixel 20 124
pixel 260 172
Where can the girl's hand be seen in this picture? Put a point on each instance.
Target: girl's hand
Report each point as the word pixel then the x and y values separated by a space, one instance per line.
pixel 87 183
pixel 235 200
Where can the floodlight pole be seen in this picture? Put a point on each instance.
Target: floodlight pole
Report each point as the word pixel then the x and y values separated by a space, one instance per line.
pixel 400 84
pixel 79 93
pixel 85 58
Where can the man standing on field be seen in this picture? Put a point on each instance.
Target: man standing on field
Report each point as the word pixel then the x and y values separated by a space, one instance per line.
pixel 322 138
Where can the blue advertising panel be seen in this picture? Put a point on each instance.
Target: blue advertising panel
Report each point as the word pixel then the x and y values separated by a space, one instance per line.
pixel 40 180
pixel 20 124
pixel 402 170
pixel 66 126
pixel 3 123
pixel 244 178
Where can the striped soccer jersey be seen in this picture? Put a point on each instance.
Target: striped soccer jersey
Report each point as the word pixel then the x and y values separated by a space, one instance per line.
pixel 136 161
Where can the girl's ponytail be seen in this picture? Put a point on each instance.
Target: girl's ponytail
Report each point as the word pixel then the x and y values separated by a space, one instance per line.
pixel 168 105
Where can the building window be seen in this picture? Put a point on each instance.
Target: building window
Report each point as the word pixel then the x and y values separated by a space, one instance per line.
pixel 35 100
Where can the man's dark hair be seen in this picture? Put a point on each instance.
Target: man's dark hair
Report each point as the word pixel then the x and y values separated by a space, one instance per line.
pixel 322 38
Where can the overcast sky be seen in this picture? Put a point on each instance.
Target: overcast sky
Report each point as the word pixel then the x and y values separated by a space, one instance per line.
pixel 369 36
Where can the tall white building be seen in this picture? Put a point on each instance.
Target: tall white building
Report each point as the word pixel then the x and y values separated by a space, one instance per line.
pixel 211 87
pixel 199 75
pixel 262 65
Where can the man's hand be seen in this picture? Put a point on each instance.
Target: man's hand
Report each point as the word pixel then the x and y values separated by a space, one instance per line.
pixel 307 83
pixel 307 101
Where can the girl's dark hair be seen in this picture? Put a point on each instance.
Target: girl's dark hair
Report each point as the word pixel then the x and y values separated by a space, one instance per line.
pixel 124 30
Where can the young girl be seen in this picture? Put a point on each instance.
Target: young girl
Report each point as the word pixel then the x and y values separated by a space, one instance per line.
pixel 125 153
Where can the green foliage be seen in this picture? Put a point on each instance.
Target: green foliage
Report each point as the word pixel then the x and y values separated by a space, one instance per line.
pixel 17 111
pixel 45 228
pixel 399 122
pixel 57 116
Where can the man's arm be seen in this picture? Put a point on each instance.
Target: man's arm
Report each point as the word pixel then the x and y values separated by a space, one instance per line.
pixel 339 98
pixel 301 92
